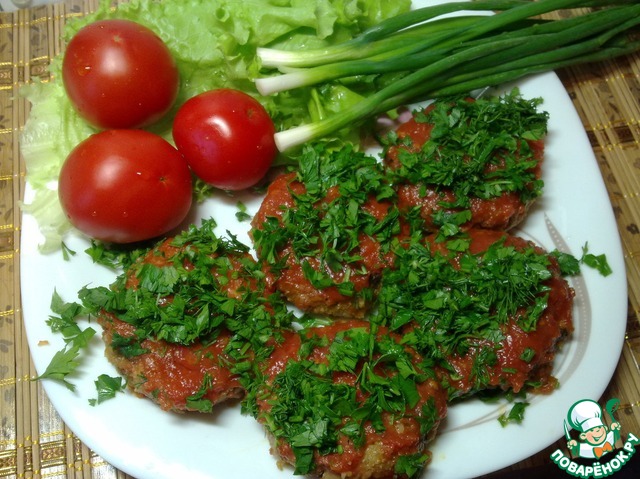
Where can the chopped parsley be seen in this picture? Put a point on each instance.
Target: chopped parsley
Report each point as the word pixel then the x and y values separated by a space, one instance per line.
pixel 115 256
pixel 476 149
pixel 411 465
pixel 198 401
pixel 515 414
pixel 598 262
pixel 195 275
pixel 448 300
pixel 128 347
pixel 310 410
pixel 107 387
pixel 188 289
pixel 65 361
pixel 528 354
pixel 570 265
pixel 63 321
pixel 241 214
pixel 329 219
pixel 67 253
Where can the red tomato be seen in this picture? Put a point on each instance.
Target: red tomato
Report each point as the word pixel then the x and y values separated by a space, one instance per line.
pixel 123 186
pixel 119 74
pixel 226 137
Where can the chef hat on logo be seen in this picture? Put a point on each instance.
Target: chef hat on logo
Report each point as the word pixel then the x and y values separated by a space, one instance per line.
pixel 585 415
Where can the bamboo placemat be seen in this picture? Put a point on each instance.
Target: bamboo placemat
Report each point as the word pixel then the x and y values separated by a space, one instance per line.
pixel 34 441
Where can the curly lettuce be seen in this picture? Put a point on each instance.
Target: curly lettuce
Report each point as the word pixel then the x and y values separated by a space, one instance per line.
pixel 214 44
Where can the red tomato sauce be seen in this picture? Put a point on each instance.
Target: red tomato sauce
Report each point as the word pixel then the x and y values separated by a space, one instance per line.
pixel 170 373
pixel 502 212
pixel 292 281
pixel 401 434
pixel 511 371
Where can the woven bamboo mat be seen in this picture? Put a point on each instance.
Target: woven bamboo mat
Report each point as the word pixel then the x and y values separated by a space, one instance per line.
pixel 34 442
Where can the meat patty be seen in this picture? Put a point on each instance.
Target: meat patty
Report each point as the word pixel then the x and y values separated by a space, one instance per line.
pixel 472 163
pixel 176 377
pixel 346 400
pixel 325 232
pixel 491 309
pixel 182 322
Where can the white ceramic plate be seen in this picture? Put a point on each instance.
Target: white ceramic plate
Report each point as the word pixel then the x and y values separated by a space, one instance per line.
pixel 135 436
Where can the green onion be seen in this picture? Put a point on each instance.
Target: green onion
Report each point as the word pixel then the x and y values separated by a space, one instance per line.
pixel 452 55
pixel 353 48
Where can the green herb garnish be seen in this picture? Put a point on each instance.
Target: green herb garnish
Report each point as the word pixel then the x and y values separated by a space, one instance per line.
pixel 515 414
pixel 476 151
pixel 107 387
pixel 63 320
pixel 241 214
pixel 197 401
pixel 327 224
pixel 598 262
pixel 310 410
pixel 448 301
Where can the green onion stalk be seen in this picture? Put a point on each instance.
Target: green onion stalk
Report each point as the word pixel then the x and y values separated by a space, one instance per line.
pixel 453 55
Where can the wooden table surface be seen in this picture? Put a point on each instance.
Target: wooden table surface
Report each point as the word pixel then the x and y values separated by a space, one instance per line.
pixel 35 442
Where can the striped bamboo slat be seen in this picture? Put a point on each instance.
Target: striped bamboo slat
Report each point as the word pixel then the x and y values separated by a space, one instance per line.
pixel 34 441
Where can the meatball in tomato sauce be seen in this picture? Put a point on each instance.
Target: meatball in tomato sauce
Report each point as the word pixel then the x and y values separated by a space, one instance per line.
pixel 469 162
pixel 349 400
pixel 325 232
pixel 183 321
pixel 489 307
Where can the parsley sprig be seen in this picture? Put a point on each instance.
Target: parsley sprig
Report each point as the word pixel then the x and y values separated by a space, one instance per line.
pixel 107 387
pixel 63 321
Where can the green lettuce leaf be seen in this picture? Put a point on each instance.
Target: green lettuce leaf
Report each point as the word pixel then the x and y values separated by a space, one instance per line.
pixel 214 44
